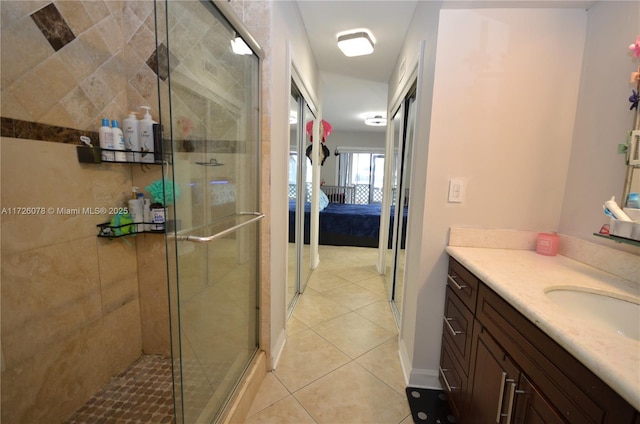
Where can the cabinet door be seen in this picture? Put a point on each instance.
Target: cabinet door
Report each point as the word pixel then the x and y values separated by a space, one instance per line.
pixel 495 379
pixel 531 407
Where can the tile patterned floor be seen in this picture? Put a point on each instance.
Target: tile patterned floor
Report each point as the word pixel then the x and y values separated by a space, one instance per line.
pixel 141 394
pixel 340 364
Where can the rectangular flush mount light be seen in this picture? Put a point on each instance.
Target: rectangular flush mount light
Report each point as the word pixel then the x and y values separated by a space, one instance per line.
pixel 356 43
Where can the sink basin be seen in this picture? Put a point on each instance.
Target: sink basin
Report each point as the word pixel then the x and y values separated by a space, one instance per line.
pixel 619 315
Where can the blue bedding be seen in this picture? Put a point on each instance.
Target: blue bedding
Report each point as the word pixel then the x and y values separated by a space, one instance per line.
pixel 345 224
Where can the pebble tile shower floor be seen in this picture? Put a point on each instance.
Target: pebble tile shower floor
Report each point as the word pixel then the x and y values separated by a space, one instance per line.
pixel 141 394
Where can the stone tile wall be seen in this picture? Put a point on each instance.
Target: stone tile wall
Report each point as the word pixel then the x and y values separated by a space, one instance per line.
pixel 75 308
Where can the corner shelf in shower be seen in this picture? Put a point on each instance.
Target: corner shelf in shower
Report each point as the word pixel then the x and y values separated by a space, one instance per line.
pixel 109 231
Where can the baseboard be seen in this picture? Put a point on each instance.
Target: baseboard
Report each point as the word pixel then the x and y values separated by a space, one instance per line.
pixel 405 362
pixel 425 379
pixel 277 348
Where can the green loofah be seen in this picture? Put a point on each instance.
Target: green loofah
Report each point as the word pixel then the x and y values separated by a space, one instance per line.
pixel 163 192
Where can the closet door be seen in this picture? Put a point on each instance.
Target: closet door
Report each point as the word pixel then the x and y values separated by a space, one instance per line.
pixel 301 116
pixel 403 129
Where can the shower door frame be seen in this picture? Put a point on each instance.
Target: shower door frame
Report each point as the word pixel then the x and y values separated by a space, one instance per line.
pixel 172 262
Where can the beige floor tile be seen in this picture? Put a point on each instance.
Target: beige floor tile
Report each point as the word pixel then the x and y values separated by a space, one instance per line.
pixel 352 395
pixel 321 281
pixel 357 273
pixel 353 296
pixel 305 358
pixel 313 309
pixel 286 411
pixel 380 313
pixel 375 284
pixel 271 391
pixel 353 334
pixel 407 420
pixel 384 363
pixel 294 325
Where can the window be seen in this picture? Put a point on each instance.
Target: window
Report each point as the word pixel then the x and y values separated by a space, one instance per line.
pixel 363 170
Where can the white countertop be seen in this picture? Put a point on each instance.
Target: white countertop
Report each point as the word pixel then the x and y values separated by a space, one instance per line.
pixel 521 277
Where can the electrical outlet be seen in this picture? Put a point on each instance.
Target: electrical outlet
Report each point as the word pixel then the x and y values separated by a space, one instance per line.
pixel 456 191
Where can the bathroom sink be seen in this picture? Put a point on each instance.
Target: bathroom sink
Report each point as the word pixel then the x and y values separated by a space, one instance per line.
pixel 619 315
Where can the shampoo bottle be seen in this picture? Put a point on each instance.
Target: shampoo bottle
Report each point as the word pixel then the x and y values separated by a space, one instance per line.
pixel 130 129
pixel 136 210
pixel 145 131
pixel 118 142
pixel 105 136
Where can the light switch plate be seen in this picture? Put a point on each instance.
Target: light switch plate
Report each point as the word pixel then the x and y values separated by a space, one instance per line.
pixel 456 190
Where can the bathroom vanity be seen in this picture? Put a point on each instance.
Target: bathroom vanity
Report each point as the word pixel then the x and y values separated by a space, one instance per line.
pixel 511 352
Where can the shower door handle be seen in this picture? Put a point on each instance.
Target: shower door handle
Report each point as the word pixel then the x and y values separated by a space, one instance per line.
pixel 207 239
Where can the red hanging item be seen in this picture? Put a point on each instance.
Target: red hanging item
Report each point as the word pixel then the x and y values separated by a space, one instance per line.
pixel 324 126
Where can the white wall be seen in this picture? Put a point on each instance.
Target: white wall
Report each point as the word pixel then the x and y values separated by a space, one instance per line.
pixel 351 139
pixel 596 171
pixel 505 88
pixel 287 28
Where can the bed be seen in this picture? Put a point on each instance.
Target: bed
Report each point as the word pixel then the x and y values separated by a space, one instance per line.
pixel 343 224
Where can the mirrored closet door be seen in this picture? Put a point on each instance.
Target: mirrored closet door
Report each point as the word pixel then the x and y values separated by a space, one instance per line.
pixel 402 128
pixel 301 118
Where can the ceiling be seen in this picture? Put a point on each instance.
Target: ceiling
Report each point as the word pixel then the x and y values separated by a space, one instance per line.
pixel 353 86
pixel 357 85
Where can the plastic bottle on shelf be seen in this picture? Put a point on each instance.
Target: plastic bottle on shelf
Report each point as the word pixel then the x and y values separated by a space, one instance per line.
pixel 118 142
pixel 136 209
pixel 145 138
pixel 105 135
pixel 130 129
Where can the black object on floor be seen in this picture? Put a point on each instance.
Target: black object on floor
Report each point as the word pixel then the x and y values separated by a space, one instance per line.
pixel 429 406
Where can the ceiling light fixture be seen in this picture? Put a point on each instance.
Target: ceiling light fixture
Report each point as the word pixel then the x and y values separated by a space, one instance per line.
pixel 358 42
pixel 375 121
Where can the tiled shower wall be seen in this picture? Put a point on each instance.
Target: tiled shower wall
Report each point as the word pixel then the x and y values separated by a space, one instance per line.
pixel 70 63
pixel 75 309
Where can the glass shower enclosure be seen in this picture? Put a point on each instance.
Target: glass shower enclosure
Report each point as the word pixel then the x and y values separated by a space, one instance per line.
pixel 210 118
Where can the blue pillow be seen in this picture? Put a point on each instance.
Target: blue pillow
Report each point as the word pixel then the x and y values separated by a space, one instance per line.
pixel 324 200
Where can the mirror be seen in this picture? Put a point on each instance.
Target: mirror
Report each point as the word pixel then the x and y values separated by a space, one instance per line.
pixel 306 178
pixel 396 128
pixel 299 198
pixel 403 125
pixel 292 270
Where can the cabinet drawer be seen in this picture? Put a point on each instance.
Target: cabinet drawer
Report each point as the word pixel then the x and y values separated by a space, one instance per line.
pixel 454 381
pixel 463 283
pixel 457 328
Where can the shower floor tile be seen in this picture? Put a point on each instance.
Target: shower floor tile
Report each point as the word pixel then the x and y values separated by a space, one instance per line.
pixel 141 394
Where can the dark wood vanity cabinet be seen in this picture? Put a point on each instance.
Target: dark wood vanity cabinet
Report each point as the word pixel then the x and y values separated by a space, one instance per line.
pixel 498 367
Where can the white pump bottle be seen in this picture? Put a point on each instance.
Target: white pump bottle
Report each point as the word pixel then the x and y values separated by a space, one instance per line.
pixel 145 138
pixel 130 129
